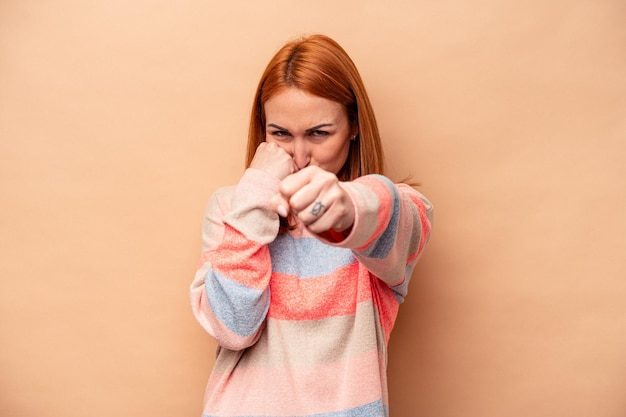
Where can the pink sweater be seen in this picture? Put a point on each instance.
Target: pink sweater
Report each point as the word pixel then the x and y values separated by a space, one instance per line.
pixel 303 323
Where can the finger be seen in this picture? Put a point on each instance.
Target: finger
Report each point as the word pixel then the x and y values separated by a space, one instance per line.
pixel 312 204
pixel 330 218
pixel 313 212
pixel 333 209
pixel 306 187
pixel 280 205
pixel 296 181
pixel 272 159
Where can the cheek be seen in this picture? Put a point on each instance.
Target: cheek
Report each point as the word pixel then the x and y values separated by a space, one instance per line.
pixel 333 157
pixel 345 149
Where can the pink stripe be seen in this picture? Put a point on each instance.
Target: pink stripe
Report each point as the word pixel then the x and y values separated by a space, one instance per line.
pixel 384 211
pixel 294 298
pixel 240 259
pixel 298 390
pixel 387 307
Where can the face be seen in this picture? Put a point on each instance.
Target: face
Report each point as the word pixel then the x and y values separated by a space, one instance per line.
pixel 312 129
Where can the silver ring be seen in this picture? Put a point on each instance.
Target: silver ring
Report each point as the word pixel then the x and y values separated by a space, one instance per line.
pixel 317 209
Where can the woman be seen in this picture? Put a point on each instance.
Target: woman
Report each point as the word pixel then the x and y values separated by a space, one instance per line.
pixel 306 260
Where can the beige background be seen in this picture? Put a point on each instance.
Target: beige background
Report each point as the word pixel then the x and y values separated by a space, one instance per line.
pixel 118 119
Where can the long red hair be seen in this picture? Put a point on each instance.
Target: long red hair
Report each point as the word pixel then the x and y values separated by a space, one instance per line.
pixel 320 66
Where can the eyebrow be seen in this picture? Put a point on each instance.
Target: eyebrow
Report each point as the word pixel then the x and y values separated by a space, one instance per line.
pixel 308 130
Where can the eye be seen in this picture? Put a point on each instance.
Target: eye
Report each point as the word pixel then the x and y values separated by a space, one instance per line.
pixel 279 134
pixel 319 134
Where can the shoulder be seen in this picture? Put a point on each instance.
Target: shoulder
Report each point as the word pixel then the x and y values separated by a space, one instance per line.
pixel 386 185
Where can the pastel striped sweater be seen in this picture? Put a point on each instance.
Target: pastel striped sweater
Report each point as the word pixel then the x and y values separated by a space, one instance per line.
pixel 303 323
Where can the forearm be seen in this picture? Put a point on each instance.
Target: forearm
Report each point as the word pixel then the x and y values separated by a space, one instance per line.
pixel 391 226
pixel 230 292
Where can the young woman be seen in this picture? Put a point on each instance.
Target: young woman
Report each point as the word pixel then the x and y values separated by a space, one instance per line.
pixel 306 260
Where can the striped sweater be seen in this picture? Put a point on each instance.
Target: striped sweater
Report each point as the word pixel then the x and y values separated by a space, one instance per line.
pixel 302 323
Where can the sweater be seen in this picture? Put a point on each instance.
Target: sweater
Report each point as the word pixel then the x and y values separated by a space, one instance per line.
pixel 303 322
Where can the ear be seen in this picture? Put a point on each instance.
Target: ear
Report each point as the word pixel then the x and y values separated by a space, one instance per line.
pixel 354 133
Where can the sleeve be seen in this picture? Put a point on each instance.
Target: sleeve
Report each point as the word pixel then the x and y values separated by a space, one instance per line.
pixel 391 228
pixel 230 291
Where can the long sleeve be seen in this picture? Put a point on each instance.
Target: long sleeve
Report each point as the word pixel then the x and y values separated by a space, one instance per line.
pixel 320 340
pixel 391 228
pixel 230 291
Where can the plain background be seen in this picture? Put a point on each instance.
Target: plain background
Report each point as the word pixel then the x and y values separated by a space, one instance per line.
pixel 118 119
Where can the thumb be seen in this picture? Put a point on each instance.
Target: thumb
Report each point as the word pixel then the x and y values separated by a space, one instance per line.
pixel 280 205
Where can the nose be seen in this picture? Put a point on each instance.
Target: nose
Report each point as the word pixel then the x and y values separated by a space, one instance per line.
pixel 301 155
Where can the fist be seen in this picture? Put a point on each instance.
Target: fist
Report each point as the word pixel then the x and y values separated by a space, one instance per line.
pixel 272 159
pixel 317 198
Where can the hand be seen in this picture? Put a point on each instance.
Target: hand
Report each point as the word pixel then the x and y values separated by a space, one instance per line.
pixel 317 198
pixel 272 159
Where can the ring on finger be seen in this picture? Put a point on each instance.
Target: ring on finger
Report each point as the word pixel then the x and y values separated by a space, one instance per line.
pixel 317 209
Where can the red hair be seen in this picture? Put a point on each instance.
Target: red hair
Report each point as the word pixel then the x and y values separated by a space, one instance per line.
pixel 320 66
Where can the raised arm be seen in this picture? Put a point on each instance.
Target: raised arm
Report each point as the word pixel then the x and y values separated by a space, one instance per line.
pixel 230 293
pixel 392 225
pixel 386 225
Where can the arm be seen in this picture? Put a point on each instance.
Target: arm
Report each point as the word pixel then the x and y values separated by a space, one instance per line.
pixel 230 291
pixel 386 225
pixel 391 227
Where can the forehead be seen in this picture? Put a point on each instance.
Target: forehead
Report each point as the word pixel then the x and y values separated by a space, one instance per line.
pixel 298 107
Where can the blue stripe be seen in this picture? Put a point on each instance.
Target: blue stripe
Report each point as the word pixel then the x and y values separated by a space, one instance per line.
pixel 374 409
pixel 382 246
pixel 314 258
pixel 242 309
